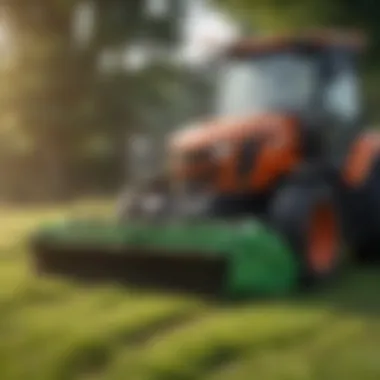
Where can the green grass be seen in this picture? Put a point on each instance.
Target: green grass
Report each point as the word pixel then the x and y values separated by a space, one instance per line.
pixel 54 329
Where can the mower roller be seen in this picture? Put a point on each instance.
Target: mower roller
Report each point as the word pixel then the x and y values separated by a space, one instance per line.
pixel 273 192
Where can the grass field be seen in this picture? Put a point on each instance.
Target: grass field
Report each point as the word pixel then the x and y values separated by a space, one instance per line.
pixel 56 330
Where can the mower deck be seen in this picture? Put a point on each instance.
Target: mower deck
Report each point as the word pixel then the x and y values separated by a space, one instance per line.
pixel 207 257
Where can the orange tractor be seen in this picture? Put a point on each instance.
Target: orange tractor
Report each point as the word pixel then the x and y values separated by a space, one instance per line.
pixel 285 145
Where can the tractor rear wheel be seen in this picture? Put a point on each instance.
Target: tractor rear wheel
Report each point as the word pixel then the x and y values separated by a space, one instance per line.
pixel 367 248
pixel 307 217
pixel 361 207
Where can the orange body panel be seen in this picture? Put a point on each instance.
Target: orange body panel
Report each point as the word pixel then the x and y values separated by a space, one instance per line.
pixel 278 139
pixel 361 159
pixel 278 156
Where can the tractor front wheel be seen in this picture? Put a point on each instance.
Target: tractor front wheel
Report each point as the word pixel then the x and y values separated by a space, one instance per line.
pixel 307 217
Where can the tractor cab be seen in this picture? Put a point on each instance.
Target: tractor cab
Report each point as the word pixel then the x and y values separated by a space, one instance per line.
pixel 277 82
pixel 314 78
pixel 297 76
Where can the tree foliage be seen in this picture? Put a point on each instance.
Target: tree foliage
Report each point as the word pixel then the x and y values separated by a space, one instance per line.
pixel 63 122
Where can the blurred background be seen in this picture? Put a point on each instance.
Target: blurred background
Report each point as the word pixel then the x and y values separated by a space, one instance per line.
pixel 87 83
pixel 88 89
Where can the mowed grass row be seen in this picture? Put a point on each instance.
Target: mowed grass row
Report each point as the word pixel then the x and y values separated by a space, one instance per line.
pixel 53 329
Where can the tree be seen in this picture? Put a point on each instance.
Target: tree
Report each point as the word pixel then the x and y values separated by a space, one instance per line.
pixel 62 119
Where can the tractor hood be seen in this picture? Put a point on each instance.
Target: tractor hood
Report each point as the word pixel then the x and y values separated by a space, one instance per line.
pixel 229 130
pixel 236 155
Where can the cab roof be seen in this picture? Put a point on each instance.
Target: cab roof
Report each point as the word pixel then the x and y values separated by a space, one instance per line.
pixel 355 41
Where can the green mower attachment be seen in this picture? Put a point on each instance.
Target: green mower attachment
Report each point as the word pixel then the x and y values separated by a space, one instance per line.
pixel 233 260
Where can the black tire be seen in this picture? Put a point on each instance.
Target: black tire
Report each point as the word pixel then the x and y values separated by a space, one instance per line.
pixel 363 211
pixel 297 212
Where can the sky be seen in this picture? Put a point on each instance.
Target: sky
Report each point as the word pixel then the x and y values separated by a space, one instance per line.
pixel 205 30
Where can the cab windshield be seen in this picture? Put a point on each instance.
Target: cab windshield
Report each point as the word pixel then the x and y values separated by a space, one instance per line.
pixel 281 81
